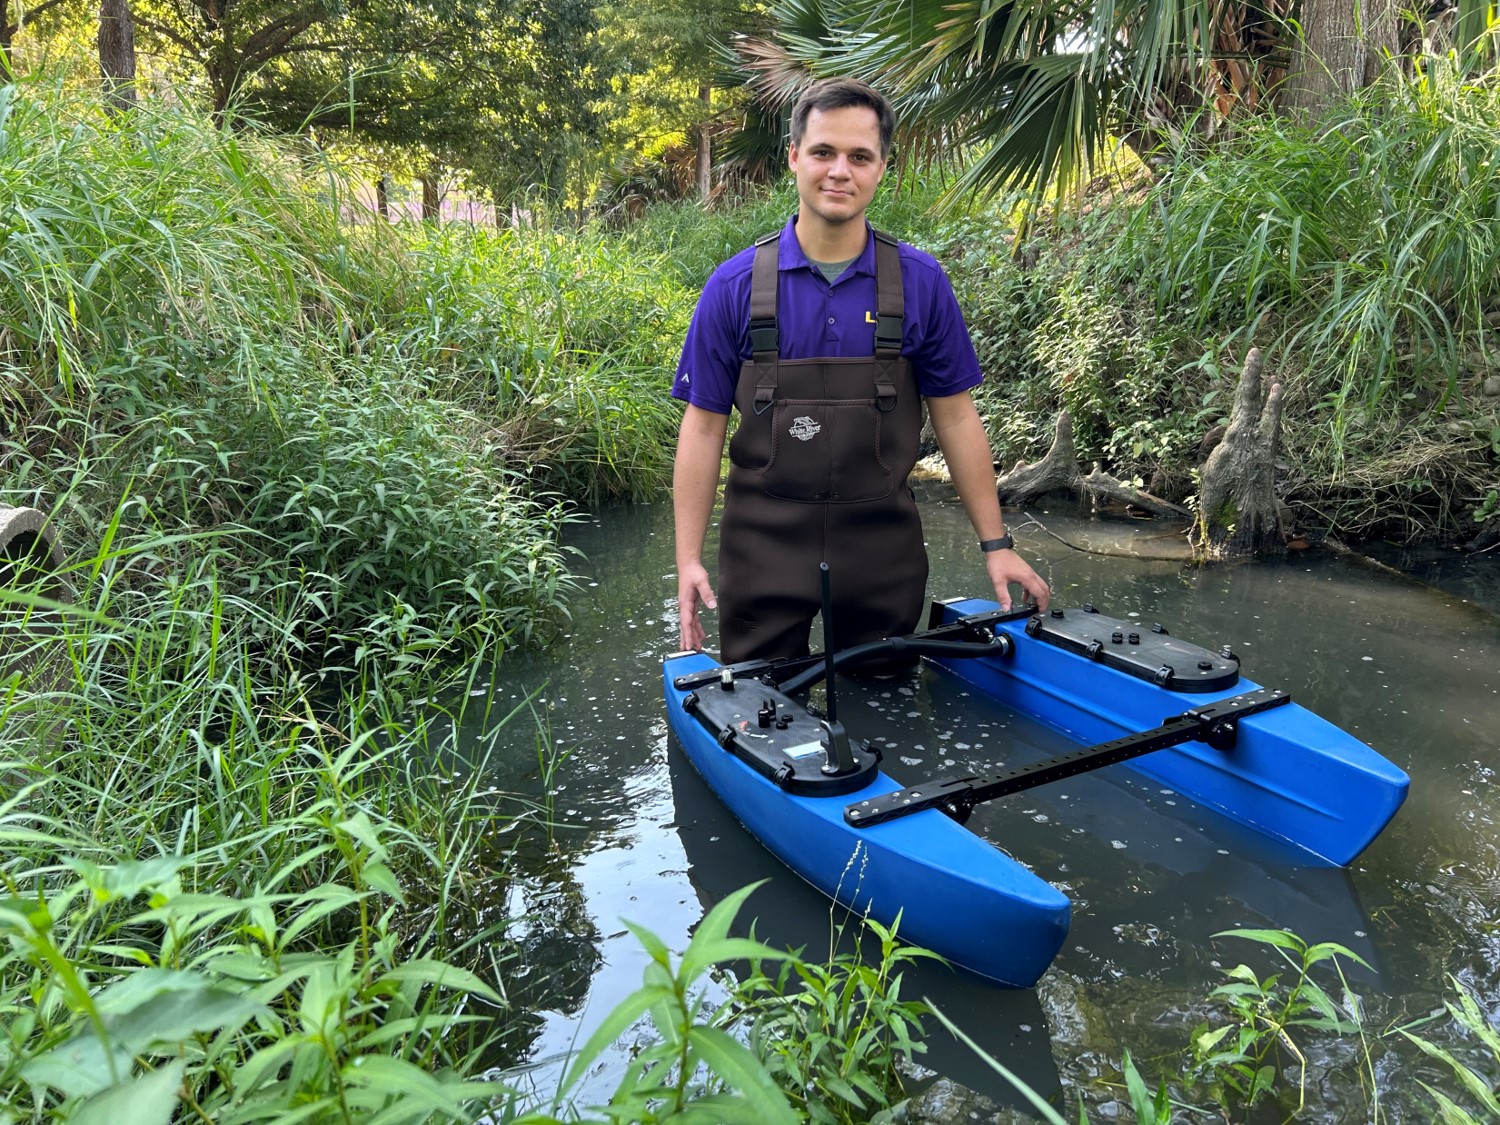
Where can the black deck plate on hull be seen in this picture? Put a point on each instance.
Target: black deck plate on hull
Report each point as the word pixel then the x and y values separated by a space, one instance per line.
pixel 792 756
pixel 1153 655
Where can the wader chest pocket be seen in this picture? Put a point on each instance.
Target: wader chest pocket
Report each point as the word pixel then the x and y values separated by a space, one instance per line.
pixel 824 451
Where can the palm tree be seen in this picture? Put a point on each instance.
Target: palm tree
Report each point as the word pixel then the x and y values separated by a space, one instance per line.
pixel 1031 90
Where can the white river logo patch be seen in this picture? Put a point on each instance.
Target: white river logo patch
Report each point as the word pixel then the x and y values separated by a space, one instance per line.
pixel 804 428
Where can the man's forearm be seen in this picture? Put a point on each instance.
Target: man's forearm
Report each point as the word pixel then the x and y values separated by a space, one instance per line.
pixel 966 449
pixel 695 480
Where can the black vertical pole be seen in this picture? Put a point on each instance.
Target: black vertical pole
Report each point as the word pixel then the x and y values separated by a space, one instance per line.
pixel 833 708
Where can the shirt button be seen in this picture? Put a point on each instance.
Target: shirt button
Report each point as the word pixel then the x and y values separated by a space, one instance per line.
pixel 830 320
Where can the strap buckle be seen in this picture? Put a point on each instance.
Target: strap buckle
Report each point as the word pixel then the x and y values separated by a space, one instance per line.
pixel 764 335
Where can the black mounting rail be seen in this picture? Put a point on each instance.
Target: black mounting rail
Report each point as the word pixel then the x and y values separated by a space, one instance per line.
pixel 973 635
pixel 1217 724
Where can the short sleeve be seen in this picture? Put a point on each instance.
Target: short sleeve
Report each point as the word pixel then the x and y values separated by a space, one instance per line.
pixel 944 358
pixel 710 363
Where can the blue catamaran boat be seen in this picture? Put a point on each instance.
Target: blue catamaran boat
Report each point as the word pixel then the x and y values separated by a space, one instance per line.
pixel 1178 713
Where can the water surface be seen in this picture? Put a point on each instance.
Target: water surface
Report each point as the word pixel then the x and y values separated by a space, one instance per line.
pixel 1413 670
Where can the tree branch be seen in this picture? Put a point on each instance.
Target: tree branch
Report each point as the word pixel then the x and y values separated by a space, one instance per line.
pixel 171 34
pixel 32 12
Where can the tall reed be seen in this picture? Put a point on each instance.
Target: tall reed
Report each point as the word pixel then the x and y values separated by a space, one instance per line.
pixel 229 896
pixel 1367 245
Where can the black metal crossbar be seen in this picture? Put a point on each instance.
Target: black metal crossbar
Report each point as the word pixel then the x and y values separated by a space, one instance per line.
pixel 1216 724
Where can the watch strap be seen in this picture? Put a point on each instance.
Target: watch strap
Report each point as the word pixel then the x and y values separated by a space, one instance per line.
pixel 1004 543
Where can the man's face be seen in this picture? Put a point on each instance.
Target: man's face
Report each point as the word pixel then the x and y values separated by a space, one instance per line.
pixel 838 163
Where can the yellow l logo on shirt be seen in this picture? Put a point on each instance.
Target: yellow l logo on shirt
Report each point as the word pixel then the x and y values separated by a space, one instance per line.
pixel 869 317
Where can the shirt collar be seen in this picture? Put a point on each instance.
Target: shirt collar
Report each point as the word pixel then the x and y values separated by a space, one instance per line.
pixel 789 255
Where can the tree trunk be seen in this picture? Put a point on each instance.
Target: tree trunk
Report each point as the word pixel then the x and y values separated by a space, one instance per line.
pixel 1059 472
pixel 705 155
pixel 1238 513
pixel 383 196
pixel 1341 50
pixel 432 207
pixel 117 54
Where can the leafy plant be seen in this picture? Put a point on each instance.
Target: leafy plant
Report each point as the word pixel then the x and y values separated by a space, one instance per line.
pixel 1361 243
pixel 694 1072
pixel 1489 507
pixel 1239 1060
pixel 1468 1015
pixel 837 1036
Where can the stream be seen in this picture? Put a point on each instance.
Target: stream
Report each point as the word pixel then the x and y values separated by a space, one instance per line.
pixel 1411 667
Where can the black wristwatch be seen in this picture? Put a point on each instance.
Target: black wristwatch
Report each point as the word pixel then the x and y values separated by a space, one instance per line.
pixel 1004 543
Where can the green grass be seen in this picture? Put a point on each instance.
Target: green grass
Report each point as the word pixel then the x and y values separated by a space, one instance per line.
pixel 244 893
pixel 1360 252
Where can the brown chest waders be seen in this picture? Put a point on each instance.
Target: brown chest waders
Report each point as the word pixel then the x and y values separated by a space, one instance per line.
pixel 818 472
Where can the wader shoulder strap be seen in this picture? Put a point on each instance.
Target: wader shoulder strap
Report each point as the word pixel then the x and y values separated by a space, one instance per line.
pixel 764 337
pixel 889 296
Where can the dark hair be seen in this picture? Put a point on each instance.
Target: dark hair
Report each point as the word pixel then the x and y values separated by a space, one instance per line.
pixel 828 94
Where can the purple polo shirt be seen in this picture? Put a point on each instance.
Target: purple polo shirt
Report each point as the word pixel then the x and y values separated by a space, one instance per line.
pixel 819 320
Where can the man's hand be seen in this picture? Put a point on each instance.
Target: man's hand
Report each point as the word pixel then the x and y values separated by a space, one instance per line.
pixel 1006 567
pixel 692 589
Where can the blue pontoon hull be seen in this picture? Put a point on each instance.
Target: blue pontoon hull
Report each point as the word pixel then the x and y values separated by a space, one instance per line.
pixel 1291 775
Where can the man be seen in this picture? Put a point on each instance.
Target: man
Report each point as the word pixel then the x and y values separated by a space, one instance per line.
pixel 827 338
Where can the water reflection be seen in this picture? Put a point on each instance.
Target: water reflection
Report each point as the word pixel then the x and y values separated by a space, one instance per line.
pixel 1413 671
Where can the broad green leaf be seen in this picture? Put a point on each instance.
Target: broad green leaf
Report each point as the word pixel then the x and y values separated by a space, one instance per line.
pixel 622 1016
pixel 840 1086
pixel 80 1066
pixel 1279 938
pixel 25 914
pixel 320 902
pixel 1449 1111
pixel 360 827
pixel 703 950
pixel 171 1017
pixel 723 1109
pixel 1210 1039
pixel 733 1062
pixel 1140 1095
pixel 1323 951
pixel 321 998
pixel 382 879
pixel 126 880
pixel 1478 1087
pixel 653 945
pixel 149 1100
pixel 440 974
